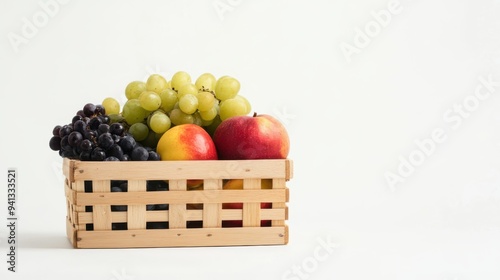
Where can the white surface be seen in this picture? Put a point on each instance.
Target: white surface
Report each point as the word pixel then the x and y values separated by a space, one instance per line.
pixel 349 124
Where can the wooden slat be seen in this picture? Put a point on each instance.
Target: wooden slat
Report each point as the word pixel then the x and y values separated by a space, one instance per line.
pixel 157 216
pixel 183 237
pixel 177 211
pixel 251 210
pixel 101 213
pixel 212 211
pixel 79 187
pixel 191 215
pixel 71 232
pixel 69 193
pixel 69 201
pixel 136 213
pixel 288 170
pixel 175 170
pixel 279 183
pixel 182 197
pixel 68 169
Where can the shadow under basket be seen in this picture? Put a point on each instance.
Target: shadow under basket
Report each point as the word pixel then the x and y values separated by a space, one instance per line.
pixel 138 204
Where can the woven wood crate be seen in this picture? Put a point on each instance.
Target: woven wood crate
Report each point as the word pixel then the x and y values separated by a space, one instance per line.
pixel 194 217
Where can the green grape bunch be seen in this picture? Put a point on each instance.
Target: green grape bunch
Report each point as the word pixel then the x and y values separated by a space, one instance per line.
pixel 157 104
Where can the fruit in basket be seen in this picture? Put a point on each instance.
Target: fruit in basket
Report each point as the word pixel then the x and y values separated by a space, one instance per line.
pixel 256 137
pixel 237 184
pixel 156 83
pixel 161 104
pixel 134 89
pixel 133 112
pixel 153 107
pixel 111 106
pixel 206 82
pixel 150 100
pixel 179 79
pixel 234 107
pixel 226 87
pixel 92 136
pixel 186 142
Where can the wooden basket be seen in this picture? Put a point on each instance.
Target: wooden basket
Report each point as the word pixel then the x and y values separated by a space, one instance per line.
pixel 195 216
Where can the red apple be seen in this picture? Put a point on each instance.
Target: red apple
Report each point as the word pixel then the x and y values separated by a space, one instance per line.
pixel 186 142
pixel 251 137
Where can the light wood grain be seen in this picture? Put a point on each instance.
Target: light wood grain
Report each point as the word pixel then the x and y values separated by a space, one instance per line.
pixel 251 210
pixel 79 187
pixel 191 215
pixel 177 211
pixel 166 170
pixel 101 213
pixel 183 237
pixel 212 209
pixel 209 197
pixel 279 183
pixel 136 213
pixel 181 197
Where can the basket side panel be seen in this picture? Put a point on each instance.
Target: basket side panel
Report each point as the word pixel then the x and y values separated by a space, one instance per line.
pixel 184 237
pixel 206 204
pixel 68 169
pixel 71 233
pixel 288 169
pixel 279 183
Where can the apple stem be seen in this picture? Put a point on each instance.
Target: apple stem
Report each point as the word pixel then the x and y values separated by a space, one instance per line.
pixel 254 114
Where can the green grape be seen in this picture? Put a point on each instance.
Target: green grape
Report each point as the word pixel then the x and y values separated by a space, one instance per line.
pixel 206 82
pixel 220 79
pixel 133 112
pixel 187 89
pixel 206 100
pixel 180 78
pixel 168 99
pixel 206 123
pixel 111 106
pixel 232 107
pixel 150 100
pixel 134 89
pixel 247 103
pixel 226 88
pixel 151 114
pixel 209 114
pixel 156 83
pixel 159 122
pixel 115 118
pixel 197 119
pixel 178 117
pixel 139 131
pixel 188 103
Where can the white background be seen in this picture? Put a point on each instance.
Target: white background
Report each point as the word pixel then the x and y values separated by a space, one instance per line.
pixel 351 118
